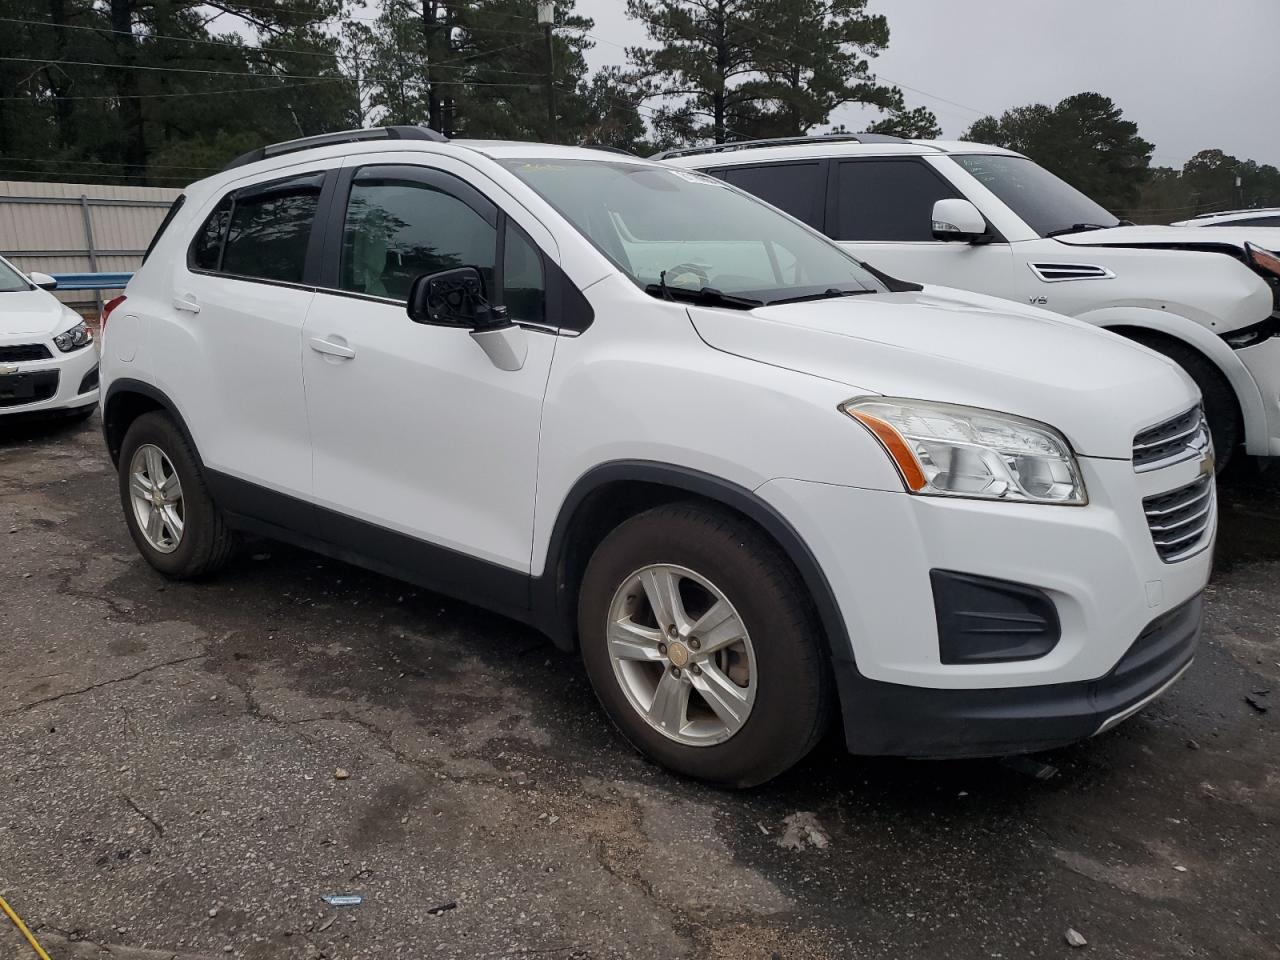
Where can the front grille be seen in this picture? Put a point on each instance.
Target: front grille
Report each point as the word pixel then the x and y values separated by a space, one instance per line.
pixel 24 351
pixel 1180 520
pixel 1178 438
pixel 20 388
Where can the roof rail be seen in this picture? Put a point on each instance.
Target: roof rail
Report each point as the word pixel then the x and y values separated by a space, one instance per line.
pixel 1228 213
pixel 342 136
pixel 779 142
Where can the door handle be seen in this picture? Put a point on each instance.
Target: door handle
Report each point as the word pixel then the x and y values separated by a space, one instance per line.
pixel 327 347
pixel 186 303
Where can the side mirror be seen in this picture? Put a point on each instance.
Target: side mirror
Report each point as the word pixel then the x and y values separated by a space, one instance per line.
pixel 43 281
pixel 454 298
pixel 958 220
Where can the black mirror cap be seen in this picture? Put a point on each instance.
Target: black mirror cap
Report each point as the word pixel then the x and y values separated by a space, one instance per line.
pixel 455 298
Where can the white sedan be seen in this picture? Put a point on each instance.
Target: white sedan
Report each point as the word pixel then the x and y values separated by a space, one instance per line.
pixel 48 361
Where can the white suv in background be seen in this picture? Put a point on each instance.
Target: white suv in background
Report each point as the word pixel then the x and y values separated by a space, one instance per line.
pixel 753 482
pixel 989 220
pixel 48 364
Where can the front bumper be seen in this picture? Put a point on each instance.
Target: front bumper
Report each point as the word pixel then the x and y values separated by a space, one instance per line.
pixel 895 720
pixel 1098 564
pixel 71 379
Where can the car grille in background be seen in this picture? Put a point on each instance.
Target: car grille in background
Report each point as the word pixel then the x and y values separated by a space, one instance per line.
pixel 1178 438
pixel 1054 272
pixel 24 351
pixel 20 388
pixel 1180 519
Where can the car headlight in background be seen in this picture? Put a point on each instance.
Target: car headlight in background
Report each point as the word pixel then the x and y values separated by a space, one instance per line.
pixel 951 451
pixel 74 337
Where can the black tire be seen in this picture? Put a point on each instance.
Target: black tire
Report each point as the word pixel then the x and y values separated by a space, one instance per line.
pixel 207 542
pixel 1221 409
pixel 793 685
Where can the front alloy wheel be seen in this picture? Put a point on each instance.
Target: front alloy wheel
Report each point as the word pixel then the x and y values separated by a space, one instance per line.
pixel 702 644
pixel 681 655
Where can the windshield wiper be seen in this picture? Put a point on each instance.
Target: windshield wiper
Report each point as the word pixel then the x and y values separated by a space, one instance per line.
pixel 827 294
pixel 709 296
pixel 1078 228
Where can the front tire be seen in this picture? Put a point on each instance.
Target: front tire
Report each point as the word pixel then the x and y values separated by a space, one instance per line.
pixel 702 646
pixel 173 521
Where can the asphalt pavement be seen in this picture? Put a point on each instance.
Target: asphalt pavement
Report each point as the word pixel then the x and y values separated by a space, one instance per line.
pixel 187 769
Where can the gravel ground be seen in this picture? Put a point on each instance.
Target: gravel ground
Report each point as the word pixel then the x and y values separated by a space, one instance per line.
pixel 171 782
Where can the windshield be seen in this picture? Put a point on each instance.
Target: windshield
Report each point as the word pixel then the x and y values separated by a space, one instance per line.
pixel 698 231
pixel 10 280
pixel 1046 203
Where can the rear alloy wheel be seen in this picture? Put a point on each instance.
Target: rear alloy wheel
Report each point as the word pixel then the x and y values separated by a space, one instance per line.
pixel 156 493
pixel 701 644
pixel 173 521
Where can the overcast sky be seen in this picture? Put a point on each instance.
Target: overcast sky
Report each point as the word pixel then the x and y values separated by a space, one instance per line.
pixel 1192 74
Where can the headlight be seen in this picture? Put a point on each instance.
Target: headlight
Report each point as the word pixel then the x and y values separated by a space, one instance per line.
pixel 74 338
pixel 949 451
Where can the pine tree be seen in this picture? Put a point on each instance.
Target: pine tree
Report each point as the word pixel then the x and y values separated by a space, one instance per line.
pixel 735 69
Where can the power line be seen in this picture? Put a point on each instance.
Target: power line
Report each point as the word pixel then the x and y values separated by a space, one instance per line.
pixel 442 64
pixel 198 93
pixel 238 73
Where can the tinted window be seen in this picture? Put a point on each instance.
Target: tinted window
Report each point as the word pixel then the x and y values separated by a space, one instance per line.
pixel 206 249
pixel 523 287
pixel 398 229
pixel 797 188
pixel 1044 202
pixel 269 230
pixel 887 200
pixel 1254 222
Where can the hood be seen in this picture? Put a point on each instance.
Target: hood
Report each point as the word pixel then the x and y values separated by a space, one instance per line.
pixel 34 312
pixel 1095 387
pixel 1190 238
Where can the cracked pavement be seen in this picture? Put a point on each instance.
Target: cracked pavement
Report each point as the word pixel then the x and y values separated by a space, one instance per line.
pixel 170 752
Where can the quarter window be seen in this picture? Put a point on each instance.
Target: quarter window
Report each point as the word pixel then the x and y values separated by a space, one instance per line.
pixel 398 229
pixel 889 200
pixel 797 188
pixel 206 250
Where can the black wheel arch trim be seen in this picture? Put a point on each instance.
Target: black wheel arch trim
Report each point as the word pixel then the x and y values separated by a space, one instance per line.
pixel 551 596
pixel 125 385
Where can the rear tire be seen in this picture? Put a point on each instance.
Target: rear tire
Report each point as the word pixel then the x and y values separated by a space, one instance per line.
pixel 173 521
pixel 722 567
pixel 1220 406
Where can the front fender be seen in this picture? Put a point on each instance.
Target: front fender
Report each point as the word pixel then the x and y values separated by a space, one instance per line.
pixel 1213 347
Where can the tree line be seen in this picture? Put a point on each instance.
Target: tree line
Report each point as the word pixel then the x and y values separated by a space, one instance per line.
pixel 166 91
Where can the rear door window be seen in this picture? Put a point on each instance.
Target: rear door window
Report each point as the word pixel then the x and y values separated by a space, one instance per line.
pixel 887 200
pixel 260 232
pixel 798 188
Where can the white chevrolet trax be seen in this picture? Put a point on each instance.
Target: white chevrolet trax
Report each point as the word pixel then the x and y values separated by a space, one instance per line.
pixel 758 485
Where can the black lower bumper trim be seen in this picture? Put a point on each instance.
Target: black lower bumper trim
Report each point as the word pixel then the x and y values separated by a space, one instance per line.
pixel 897 720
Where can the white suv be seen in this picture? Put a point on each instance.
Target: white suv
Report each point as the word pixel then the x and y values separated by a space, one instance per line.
pixel 989 220
pixel 48 364
pixel 641 410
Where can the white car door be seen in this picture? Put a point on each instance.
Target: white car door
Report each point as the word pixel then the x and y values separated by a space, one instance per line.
pixel 231 334
pixel 425 452
pixel 881 210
